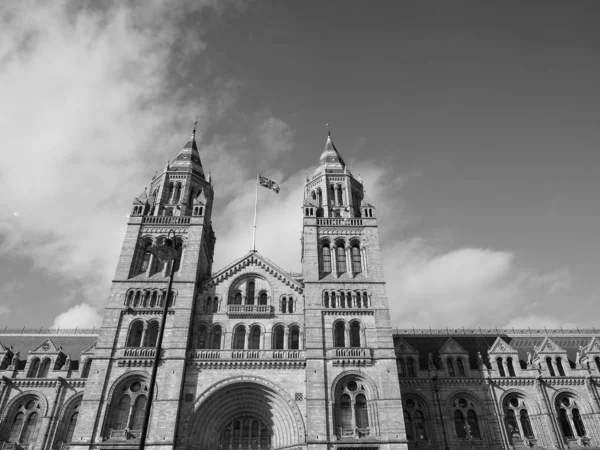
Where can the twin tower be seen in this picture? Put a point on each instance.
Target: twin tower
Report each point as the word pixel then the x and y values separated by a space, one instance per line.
pixel 253 357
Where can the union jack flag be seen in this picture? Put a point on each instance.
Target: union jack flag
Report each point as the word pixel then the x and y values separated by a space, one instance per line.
pixel 269 184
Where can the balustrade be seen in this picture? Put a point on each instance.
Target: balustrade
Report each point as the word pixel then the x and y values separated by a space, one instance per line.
pixel 250 310
pixel 265 355
pixel 141 352
pixel 166 220
pixel 339 221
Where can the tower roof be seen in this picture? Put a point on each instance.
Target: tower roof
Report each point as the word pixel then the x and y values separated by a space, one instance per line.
pixel 330 160
pixel 189 158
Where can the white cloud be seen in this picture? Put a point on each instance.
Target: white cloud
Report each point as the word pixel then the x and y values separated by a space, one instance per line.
pixel 79 316
pixel 275 136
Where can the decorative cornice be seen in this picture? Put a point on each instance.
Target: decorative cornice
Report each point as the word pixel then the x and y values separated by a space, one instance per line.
pixel 347 312
pixel 258 364
pixel 494 331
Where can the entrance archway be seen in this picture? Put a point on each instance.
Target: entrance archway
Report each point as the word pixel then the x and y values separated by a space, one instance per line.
pixel 243 413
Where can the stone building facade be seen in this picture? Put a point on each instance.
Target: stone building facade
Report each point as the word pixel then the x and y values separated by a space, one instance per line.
pixel 255 357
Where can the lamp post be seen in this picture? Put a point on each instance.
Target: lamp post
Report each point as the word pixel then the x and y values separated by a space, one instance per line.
pixel 165 252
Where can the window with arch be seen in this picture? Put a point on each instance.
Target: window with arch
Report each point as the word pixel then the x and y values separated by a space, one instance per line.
pixel 356 259
pixel 158 266
pixel 597 360
pixel 450 365
pixel 326 305
pixel 177 261
pixel 559 366
pixel 466 423
pixel 461 367
pixel 294 338
pixel 339 338
pixel 500 365
pixel 250 431
pixel 237 298
pixel 340 256
pixel 202 337
pixel 410 367
pixel 284 304
pixel 401 367
pixel 518 424
pixel 355 334
pixel 151 334
pixel 136 331
pixel 569 416
pixel 254 338
pixel 278 337
pixel 128 406
pixel 215 337
pixel 66 428
pixel 170 192
pixel 25 420
pixel 414 420
pixel 365 298
pixel 510 367
pixel 550 366
pixel 145 256
pixel 250 287
pixel 34 368
pixel 44 368
pixel 352 407
pixel 326 259
pixel 239 337
pixel 86 368
pixel 263 299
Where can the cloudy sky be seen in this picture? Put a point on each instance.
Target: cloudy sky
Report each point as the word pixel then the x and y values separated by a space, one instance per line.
pixel 475 127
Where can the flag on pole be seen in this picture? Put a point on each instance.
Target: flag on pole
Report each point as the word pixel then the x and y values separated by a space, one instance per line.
pixel 269 184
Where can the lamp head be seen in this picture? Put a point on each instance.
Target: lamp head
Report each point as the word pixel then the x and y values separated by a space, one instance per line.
pixel 165 252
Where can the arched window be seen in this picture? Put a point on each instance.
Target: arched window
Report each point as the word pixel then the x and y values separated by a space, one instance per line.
pixel 461 367
pixel 516 410
pixel 157 265
pixel 170 192
pixel 202 335
pixel 410 367
pixel 250 293
pixel 290 305
pixel 340 335
pixel 500 367
pixel 401 367
pixel 254 340
pixel 340 256
pixel 177 261
pixel 333 300
pixel 263 299
pixel 151 334
pixel 511 368
pixel 294 337
pixel 473 424
pixel 511 423
pixel 450 365
pixel 569 416
pixel 342 300
pixel 128 406
pixel 177 193
pixel 145 260
pixel 579 427
pixel 550 366
pixel 71 427
pixel 356 261
pixel 278 337
pixel 526 424
pixel 326 305
pixel 465 419
pixel 459 424
pixel 360 410
pixel 326 259
pixel 44 369
pixel 16 428
pixel 414 420
pixel 30 428
pixel 597 359
pixel 284 305
pixel 559 366
pixel 355 334
pixel 208 306
pixel 24 426
pixel 86 368
pixel 129 299
pixel 136 330
pixel 154 299
pixel 365 300
pixel 216 337
pixel 564 423
pixel 239 337
pixel 237 300
pixel 34 368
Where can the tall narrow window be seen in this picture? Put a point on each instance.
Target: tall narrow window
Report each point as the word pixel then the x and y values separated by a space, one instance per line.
pixel 170 192
pixel 511 368
pixel 511 422
pixel 177 261
pixel 401 367
pixel 500 367
pixel 34 368
pixel 202 334
pixel 365 300
pixel 340 335
pixel 597 359
pixel 473 424
pixel 30 426
pixel 44 369
pixel 239 337
pixel 345 412
pixel 17 425
pixel 120 417
pixel 420 426
pixel 237 300
pixel 278 338
pixel 579 427
pixel 564 423
pixel 326 255
pixel 356 261
pixel 145 256
pixel 550 366
pixel 284 305
pixel 461 367
pixel 71 428
pixel 254 341
pixel 360 407
pixel 294 343
pixel 152 334
pixel 263 298
pixel 86 368
pixel 290 305
pixel 340 256
pixel 326 301
pixel 354 334
pixel 559 366
pixel 408 425
pixel 459 424
pixel 526 424
pixel 216 338
pixel 450 365
pixel 410 367
pixel 137 414
pixel 135 334
pixel 250 293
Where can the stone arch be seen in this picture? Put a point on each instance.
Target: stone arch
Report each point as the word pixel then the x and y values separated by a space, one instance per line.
pixel 370 385
pixel 579 399
pixel 40 396
pixel 531 401
pixel 241 396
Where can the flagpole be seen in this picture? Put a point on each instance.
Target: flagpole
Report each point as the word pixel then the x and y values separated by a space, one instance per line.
pixel 254 229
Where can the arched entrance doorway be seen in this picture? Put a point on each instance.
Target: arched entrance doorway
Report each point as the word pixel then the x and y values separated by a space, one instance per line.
pixel 245 413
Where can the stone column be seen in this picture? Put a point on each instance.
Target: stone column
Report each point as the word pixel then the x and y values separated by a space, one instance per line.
pixel 363 254
pixel 286 335
pixel 333 251
pixel 246 337
pixel 348 260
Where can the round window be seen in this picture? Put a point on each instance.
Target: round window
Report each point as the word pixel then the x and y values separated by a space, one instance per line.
pixel 30 404
pixel 565 401
pixel 136 386
pixel 410 403
pixel 352 386
pixel 462 403
pixel 514 402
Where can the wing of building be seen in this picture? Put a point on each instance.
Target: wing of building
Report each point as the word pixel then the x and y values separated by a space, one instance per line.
pixel 254 357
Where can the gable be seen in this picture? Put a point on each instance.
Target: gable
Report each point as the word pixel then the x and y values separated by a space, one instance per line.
pixel 403 347
pixel 46 348
pixel 548 347
pixel 452 347
pixel 593 346
pixel 500 346
pixel 90 350
pixel 258 264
